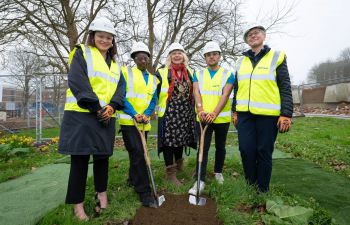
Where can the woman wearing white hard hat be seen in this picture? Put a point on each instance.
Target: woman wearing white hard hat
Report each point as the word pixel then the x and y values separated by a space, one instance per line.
pixel 96 91
pixel 176 124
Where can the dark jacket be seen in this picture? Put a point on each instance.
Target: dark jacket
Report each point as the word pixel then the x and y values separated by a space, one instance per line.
pixel 282 79
pixel 81 133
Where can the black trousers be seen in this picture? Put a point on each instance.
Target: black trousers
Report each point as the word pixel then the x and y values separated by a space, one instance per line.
pixel 78 174
pixel 256 137
pixel 172 154
pixel 220 130
pixel 138 175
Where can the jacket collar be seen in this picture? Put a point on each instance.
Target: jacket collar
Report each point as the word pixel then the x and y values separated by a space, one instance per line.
pixel 251 54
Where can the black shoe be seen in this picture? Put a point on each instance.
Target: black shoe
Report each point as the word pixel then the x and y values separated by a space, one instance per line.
pixel 129 182
pixel 147 200
pixel 98 208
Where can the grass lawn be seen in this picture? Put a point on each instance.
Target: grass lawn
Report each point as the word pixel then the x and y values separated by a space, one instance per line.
pixel 20 164
pixel 230 197
pixel 325 141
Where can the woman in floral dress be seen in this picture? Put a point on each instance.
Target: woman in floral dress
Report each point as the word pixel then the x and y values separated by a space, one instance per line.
pixel 176 124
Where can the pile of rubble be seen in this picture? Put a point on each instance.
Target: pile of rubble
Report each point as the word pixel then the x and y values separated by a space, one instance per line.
pixel 340 109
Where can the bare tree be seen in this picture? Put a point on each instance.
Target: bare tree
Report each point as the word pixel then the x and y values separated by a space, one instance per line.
pixel 52 27
pixel 345 55
pixel 332 71
pixel 23 67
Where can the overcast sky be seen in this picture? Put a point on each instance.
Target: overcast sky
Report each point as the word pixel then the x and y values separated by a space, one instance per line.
pixel 320 31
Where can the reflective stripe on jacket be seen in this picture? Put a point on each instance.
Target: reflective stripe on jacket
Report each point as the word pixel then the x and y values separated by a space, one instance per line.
pixel 211 90
pixel 137 93
pixel 163 95
pixel 103 80
pixel 258 92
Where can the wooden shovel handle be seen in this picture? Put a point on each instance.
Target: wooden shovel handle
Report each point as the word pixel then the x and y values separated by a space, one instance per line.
pixel 201 143
pixel 143 141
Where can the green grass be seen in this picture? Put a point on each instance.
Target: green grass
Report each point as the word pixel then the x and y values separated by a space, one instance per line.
pixel 55 131
pixel 46 132
pixel 325 141
pixel 22 164
pixel 234 192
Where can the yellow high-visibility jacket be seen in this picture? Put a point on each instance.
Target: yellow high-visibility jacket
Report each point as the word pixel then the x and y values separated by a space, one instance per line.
pixel 103 80
pixel 211 90
pixel 163 95
pixel 258 92
pixel 137 93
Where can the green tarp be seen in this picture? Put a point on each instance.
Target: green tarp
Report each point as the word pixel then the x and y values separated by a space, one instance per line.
pixel 26 199
pixel 307 179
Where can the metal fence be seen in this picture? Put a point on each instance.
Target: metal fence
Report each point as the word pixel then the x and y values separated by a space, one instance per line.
pixel 32 101
pixel 323 95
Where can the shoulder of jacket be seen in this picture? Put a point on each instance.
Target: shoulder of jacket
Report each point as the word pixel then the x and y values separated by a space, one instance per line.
pixel 280 52
pixel 79 48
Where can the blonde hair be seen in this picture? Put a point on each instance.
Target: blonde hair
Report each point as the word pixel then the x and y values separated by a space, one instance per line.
pixel 168 59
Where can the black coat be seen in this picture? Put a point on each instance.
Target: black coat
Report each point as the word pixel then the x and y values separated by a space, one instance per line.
pixel 81 133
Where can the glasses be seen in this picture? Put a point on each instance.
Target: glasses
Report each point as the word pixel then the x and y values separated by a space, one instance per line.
pixel 254 33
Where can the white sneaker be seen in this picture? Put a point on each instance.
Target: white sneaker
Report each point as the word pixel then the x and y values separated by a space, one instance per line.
pixel 193 190
pixel 219 178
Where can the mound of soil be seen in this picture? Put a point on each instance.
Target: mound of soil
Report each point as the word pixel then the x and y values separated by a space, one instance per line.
pixel 177 210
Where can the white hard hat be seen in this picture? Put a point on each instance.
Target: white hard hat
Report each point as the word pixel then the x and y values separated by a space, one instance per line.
pixel 103 24
pixel 211 46
pixel 139 47
pixel 251 28
pixel 175 46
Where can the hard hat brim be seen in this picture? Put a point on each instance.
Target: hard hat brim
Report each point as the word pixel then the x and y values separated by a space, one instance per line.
pixel 132 55
pixel 181 50
pixel 254 27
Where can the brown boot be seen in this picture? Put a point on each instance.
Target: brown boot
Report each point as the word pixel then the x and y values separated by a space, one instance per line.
pixel 171 175
pixel 179 164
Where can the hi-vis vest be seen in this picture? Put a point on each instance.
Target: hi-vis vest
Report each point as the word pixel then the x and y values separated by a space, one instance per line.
pixel 258 92
pixel 103 80
pixel 211 90
pixel 137 93
pixel 163 96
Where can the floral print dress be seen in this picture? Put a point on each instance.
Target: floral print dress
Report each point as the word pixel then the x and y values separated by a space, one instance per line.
pixel 179 127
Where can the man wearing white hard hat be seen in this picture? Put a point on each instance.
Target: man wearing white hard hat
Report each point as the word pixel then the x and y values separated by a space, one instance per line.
pixel 176 122
pixel 212 88
pixel 262 105
pixel 96 91
pixel 140 101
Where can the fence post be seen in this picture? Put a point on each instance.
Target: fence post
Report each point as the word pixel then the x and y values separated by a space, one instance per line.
pixel 37 111
pixel 41 111
pixel 300 100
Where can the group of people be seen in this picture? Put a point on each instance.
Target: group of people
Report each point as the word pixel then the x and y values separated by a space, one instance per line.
pixel 99 89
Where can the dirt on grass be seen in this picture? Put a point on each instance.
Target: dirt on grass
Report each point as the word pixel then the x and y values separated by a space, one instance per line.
pixel 176 210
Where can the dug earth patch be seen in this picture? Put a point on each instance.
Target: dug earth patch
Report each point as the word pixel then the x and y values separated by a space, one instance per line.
pixel 177 210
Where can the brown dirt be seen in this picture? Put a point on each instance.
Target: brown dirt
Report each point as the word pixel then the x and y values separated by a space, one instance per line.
pixel 245 208
pixel 176 210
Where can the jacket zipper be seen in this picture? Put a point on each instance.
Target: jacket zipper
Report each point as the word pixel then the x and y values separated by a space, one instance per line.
pixel 250 80
pixel 250 87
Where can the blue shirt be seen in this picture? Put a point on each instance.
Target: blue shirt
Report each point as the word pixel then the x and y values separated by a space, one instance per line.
pixel 129 109
pixel 230 80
